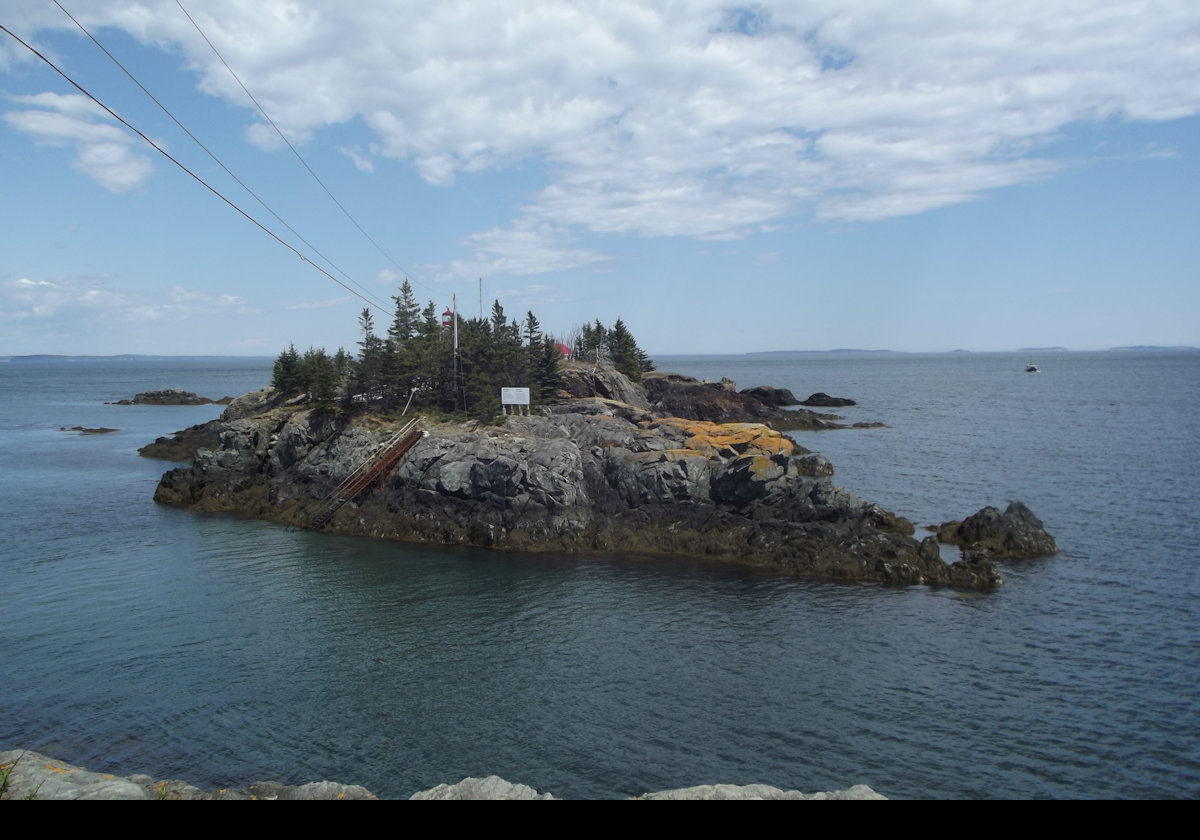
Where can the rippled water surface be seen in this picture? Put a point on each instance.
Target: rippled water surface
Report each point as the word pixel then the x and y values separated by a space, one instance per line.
pixel 142 639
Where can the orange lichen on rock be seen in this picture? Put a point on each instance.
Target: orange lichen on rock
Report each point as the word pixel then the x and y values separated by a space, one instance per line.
pixel 730 439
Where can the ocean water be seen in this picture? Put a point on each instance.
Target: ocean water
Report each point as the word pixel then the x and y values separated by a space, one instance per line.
pixel 137 638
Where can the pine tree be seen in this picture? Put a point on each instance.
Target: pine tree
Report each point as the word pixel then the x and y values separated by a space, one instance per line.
pixel 400 365
pixel 285 373
pixel 625 351
pixel 533 330
pixel 407 317
pixel 547 375
pixel 369 381
pixel 434 360
pixel 319 374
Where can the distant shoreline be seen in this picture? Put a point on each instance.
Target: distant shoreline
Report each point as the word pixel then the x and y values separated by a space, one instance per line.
pixel 47 358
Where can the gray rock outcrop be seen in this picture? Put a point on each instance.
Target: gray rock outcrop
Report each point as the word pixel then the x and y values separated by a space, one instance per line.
pixel 720 402
pixel 858 793
pixel 772 396
pixel 1015 534
pixel 489 788
pixel 169 396
pixel 581 381
pixel 822 400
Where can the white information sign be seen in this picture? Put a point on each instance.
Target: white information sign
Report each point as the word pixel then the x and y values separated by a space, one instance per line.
pixel 514 396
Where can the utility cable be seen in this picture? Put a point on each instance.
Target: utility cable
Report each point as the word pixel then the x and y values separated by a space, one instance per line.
pixel 196 177
pixel 299 157
pixel 214 158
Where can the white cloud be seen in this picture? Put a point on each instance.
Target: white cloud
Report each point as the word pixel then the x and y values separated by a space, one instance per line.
pixel 534 294
pixel 180 294
pixel 665 119
pixel 25 298
pixel 104 151
pixel 519 250
pixel 361 162
pixel 96 298
pixel 319 304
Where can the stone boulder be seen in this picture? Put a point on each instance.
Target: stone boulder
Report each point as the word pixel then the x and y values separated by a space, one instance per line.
pixel 255 402
pixel 583 381
pixel 767 395
pixel 183 445
pixel 1015 534
pixel 31 775
pixel 473 789
pixel 708 793
pixel 822 400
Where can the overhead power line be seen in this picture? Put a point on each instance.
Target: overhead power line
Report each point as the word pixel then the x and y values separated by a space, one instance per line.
pixel 299 157
pixel 213 156
pixel 194 176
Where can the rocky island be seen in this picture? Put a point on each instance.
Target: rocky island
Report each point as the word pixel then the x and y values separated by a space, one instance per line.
pixel 171 396
pixel 671 466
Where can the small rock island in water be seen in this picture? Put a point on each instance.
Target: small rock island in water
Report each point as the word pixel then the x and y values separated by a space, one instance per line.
pixel 612 457
pixel 592 474
pixel 171 396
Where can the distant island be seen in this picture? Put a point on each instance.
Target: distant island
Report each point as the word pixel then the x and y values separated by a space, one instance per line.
pixel 845 351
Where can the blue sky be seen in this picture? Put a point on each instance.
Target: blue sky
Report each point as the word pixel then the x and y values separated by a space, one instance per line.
pixel 922 177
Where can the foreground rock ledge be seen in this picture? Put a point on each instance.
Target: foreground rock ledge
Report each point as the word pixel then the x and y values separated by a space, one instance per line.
pixel 30 775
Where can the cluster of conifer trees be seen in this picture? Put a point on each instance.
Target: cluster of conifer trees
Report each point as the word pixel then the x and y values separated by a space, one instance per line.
pixel 416 363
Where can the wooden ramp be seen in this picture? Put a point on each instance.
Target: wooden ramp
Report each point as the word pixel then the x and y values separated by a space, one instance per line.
pixel 388 453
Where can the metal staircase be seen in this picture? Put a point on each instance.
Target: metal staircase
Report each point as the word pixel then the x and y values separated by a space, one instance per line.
pixel 388 453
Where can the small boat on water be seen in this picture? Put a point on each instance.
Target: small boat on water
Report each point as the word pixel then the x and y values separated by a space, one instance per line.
pixel 1031 368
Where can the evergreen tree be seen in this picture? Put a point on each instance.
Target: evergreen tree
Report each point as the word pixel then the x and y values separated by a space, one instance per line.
pixel 547 376
pixel 407 317
pixel 434 360
pixel 285 373
pixel 533 330
pixel 319 374
pixel 343 363
pixel 418 359
pixel 400 365
pixel 369 379
pixel 478 388
pixel 625 351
